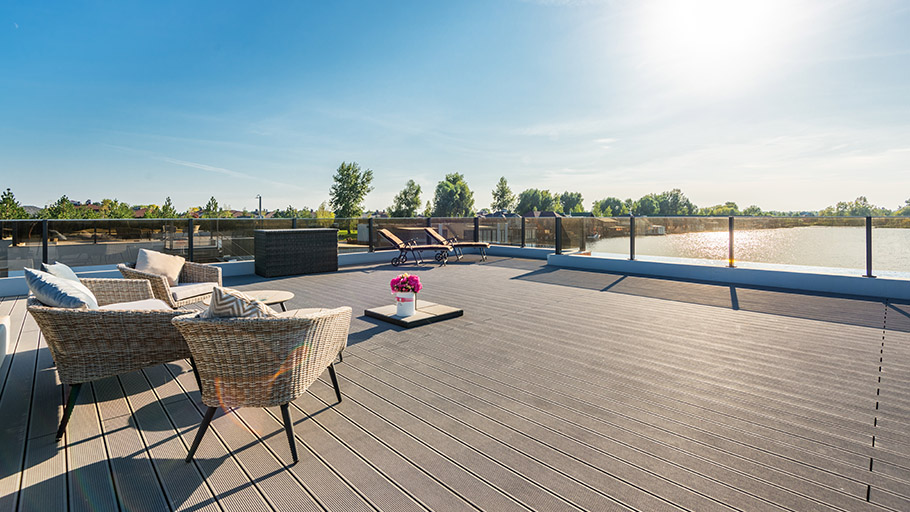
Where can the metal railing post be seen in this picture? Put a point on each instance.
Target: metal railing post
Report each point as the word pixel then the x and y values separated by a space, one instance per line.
pixel 558 235
pixel 730 220
pixel 523 231
pixel 476 229
pixel 44 240
pixel 869 247
pixel 189 239
pixel 294 223
pixel 370 230
pixel 631 236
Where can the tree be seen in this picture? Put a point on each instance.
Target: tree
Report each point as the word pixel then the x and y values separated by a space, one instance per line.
pixel 212 210
pixel 428 210
pixel 503 198
pixel 453 197
pixel 10 208
pixel 674 202
pixel 323 212
pixel 534 200
pixel 63 208
pixel 114 209
pixel 571 202
pixel 167 210
pixel 407 201
pixel 290 212
pixel 753 210
pixel 721 210
pixel 647 205
pixel 903 212
pixel 610 207
pixel 350 187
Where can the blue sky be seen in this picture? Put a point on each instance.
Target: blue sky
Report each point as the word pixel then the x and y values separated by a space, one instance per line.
pixel 785 104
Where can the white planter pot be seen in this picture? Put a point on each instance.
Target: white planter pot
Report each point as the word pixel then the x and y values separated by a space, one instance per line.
pixel 407 302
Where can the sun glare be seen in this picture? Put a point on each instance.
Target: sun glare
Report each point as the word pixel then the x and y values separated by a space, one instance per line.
pixel 715 45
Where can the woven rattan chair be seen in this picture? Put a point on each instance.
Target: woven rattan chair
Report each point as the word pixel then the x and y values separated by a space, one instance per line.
pixel 92 344
pixel 262 362
pixel 191 273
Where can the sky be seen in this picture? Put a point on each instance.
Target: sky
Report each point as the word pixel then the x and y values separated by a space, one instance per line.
pixel 786 104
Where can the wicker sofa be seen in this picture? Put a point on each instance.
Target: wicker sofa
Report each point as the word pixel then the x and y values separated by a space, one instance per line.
pixel 263 362
pixel 192 273
pixel 93 344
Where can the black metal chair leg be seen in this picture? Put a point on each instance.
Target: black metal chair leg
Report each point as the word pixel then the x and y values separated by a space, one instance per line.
pixel 289 428
pixel 341 357
pixel 196 374
pixel 209 414
pixel 335 381
pixel 68 411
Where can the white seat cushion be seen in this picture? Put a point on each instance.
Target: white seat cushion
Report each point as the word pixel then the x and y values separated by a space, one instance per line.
pixel 294 313
pixel 138 305
pixel 190 290
pixel 160 264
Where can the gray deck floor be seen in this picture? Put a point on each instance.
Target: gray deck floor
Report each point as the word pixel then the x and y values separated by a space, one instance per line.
pixel 557 390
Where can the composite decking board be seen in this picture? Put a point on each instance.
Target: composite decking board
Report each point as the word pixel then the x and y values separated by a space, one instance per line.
pixel 15 407
pixel 808 465
pixel 489 460
pixel 410 477
pixel 44 483
pixel 262 468
pixel 91 487
pixel 784 381
pixel 329 489
pixel 670 433
pixel 583 469
pixel 363 477
pixel 613 442
pixel 135 480
pixel 223 475
pixel 708 396
pixel 182 484
pixel 360 407
pixel 454 477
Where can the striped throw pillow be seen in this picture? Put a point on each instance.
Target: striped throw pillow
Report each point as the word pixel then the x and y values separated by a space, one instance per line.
pixel 229 303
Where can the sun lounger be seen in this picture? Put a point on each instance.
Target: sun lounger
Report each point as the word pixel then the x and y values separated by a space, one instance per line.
pixel 458 246
pixel 442 249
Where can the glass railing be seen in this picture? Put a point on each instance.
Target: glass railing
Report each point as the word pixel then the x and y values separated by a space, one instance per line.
pixel 814 244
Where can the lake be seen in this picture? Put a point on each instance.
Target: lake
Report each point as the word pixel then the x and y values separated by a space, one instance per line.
pixel 835 247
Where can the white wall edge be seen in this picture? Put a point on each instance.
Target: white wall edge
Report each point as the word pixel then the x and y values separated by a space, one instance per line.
pixel 797 281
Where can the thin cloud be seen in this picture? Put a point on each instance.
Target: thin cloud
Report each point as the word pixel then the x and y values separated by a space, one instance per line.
pixel 226 172
pixel 16 26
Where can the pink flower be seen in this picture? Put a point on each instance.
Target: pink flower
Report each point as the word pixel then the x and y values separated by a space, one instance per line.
pixel 406 283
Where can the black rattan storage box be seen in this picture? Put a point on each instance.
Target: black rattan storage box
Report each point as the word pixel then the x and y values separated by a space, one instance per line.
pixel 286 252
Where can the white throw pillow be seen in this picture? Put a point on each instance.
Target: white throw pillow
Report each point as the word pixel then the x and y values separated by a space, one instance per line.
pixel 160 264
pixel 60 270
pixel 228 303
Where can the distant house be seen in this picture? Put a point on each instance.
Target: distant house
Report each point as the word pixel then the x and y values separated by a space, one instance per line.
pixel 536 214
pixel 138 213
pixel 501 214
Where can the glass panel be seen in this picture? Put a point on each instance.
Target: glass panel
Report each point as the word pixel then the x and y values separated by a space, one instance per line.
pixel 461 228
pixel 575 232
pixel 705 239
pixel 405 229
pixel 501 230
pixel 828 243
pixel 890 247
pixel 608 236
pixel 540 232
pixel 88 243
pixel 20 246
pixel 224 239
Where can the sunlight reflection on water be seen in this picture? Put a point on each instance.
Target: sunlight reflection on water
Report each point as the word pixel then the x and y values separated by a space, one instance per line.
pixel 819 246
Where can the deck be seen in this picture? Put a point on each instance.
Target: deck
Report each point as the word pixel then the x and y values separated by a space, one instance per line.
pixel 557 390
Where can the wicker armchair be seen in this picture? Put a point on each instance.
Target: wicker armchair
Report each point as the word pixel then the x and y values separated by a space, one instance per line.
pixel 191 273
pixel 92 344
pixel 263 362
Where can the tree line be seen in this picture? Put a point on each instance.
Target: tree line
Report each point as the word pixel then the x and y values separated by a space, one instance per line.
pixel 452 197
